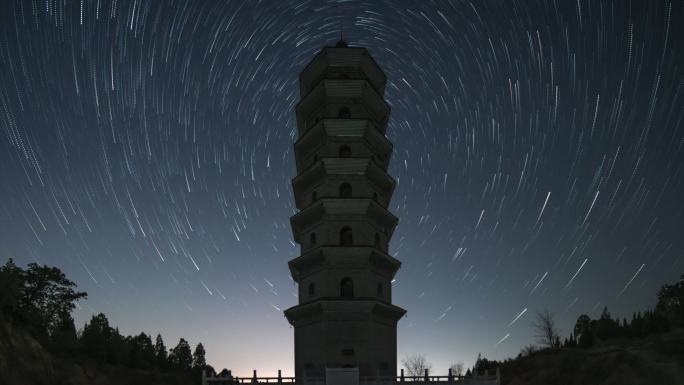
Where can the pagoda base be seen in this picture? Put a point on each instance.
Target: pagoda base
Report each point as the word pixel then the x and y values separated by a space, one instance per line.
pixel 344 333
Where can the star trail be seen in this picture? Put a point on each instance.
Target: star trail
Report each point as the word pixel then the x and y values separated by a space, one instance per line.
pixel 146 150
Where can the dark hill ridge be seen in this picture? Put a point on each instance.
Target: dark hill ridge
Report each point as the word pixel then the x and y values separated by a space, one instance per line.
pixel 653 360
pixel 24 361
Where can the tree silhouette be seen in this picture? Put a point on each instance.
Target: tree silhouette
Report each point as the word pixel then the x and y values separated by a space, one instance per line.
pixel 64 336
pixel 545 326
pixel 482 364
pixel 457 368
pixel 671 302
pixel 161 355
pixel 10 287
pixel 141 351
pixel 96 337
pixel 416 365
pixel 117 348
pixel 181 356
pixel 46 293
pixel 198 360
pixel 606 327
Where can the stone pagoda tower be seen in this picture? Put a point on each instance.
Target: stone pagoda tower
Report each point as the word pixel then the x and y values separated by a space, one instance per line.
pixel 345 316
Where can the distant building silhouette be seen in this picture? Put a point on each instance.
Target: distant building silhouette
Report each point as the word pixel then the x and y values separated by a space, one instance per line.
pixel 345 316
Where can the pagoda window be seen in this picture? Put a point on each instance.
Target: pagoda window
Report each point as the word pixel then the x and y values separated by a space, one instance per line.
pixel 377 240
pixel 346 288
pixel 312 239
pixel 344 113
pixel 345 151
pixel 345 190
pixel 314 196
pixel 346 236
pixel 380 289
pixel 375 196
pixel 312 289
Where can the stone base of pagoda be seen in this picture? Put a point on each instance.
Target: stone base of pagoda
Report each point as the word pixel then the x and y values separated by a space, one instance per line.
pixel 341 332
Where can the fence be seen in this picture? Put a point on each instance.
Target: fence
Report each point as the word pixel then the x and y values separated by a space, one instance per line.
pixel 475 379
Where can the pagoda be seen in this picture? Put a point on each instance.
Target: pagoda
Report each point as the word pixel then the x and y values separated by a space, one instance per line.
pixel 345 317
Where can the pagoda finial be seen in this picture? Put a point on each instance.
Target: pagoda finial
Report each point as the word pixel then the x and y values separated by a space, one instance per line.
pixel 341 43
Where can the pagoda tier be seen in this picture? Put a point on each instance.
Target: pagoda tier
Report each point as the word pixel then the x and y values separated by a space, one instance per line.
pixel 327 137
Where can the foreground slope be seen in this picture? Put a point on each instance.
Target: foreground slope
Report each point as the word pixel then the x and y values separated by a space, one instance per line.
pixel 24 361
pixel 656 359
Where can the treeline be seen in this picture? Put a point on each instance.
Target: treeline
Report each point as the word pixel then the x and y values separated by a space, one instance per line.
pixel 100 341
pixel 667 315
pixel 40 299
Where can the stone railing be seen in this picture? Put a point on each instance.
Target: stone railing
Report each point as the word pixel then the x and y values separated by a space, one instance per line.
pixel 475 379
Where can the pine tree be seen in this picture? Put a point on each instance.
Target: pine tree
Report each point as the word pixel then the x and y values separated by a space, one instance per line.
pixel 96 337
pixel 198 360
pixel 161 355
pixel 141 351
pixel 118 351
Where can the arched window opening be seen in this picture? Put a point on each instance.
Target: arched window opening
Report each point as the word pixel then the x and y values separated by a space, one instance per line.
pixel 377 240
pixel 379 289
pixel 345 151
pixel 344 113
pixel 346 236
pixel 345 190
pixel 312 239
pixel 346 288
pixel 375 196
pixel 315 158
pixel 312 289
pixel 314 196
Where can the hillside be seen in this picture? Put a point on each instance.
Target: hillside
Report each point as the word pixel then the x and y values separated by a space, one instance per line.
pixel 656 359
pixel 24 361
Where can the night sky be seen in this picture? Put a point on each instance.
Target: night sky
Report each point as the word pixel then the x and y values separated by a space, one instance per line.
pixel 146 149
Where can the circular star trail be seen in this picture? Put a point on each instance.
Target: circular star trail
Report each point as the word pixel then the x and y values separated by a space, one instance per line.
pixel 146 150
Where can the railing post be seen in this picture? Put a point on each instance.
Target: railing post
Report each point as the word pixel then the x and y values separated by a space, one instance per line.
pixel 280 377
pixel 402 376
pixel 426 375
pixel 451 375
